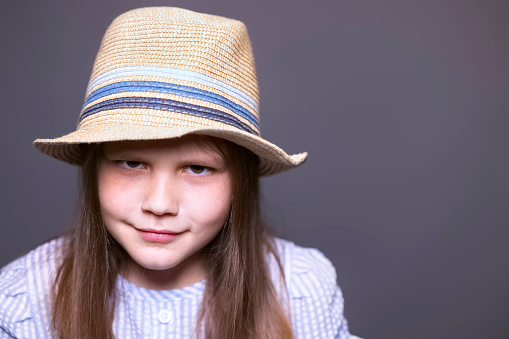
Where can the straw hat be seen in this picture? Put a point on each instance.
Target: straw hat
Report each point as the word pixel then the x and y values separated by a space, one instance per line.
pixel 164 72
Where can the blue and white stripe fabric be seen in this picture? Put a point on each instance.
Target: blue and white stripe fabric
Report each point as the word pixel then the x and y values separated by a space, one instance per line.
pixel 173 90
pixel 315 299
pixel 175 74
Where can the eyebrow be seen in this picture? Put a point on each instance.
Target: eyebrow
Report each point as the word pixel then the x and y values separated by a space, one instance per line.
pixel 209 157
pixel 117 153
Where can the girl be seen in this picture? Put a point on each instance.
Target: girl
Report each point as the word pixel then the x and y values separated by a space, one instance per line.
pixel 169 241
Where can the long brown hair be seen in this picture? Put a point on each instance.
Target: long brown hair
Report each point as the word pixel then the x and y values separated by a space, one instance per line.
pixel 239 301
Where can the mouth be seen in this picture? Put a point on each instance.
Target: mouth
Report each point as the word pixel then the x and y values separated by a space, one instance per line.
pixel 158 236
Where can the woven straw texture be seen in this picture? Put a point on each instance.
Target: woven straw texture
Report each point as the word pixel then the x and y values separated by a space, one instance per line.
pixel 164 72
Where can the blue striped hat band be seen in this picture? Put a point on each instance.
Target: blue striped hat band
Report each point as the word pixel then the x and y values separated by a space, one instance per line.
pixel 102 95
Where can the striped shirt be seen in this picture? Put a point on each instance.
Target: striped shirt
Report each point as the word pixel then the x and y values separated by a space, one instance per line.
pixel 315 299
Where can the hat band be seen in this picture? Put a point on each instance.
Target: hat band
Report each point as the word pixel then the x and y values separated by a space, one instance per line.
pixel 177 74
pixel 167 105
pixel 167 88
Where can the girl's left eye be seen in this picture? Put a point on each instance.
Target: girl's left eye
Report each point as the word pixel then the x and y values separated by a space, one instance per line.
pixel 131 164
pixel 197 169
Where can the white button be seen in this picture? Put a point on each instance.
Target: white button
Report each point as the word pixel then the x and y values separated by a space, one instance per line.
pixel 164 316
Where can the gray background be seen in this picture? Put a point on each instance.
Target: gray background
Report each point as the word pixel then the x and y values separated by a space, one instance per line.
pixel 403 106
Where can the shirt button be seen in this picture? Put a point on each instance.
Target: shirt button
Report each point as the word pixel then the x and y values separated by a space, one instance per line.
pixel 164 316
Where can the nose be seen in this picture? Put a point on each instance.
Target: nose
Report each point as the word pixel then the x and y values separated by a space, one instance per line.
pixel 161 197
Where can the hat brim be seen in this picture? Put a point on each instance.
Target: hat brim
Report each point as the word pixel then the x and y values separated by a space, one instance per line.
pixel 71 147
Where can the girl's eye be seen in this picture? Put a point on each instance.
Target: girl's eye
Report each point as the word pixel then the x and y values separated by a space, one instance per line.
pixel 197 169
pixel 131 164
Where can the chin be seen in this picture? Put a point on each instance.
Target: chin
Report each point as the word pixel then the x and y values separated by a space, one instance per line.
pixel 155 265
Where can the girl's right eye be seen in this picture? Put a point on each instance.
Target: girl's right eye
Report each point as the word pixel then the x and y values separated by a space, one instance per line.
pixel 131 164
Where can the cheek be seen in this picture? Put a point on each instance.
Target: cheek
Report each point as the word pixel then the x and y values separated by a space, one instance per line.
pixel 114 197
pixel 211 206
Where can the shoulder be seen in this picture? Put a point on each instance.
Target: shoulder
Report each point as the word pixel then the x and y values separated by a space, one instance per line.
pixel 24 291
pixel 308 271
pixel 315 299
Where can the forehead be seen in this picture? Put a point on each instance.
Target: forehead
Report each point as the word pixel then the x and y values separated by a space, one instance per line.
pixel 186 145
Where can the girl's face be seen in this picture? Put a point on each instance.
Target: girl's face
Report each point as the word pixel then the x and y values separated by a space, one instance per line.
pixel 163 201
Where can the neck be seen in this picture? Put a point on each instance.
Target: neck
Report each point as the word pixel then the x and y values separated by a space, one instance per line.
pixel 180 276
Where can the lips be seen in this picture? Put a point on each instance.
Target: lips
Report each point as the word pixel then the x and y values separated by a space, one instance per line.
pixel 158 236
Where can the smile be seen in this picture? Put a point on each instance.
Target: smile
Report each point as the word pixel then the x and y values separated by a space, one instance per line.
pixel 158 236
